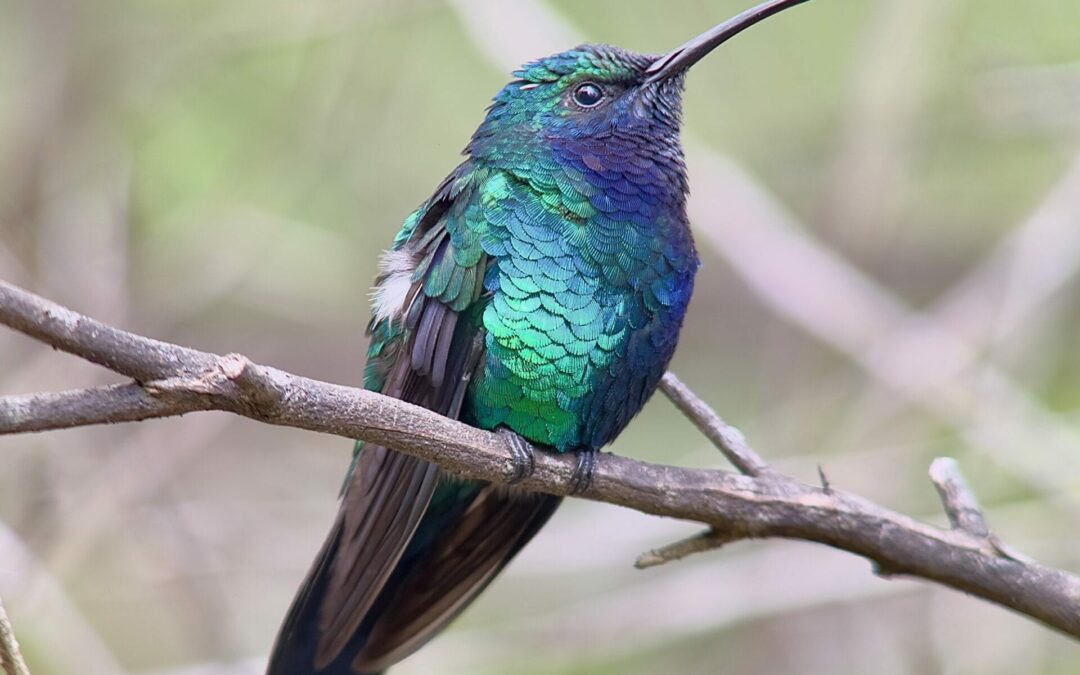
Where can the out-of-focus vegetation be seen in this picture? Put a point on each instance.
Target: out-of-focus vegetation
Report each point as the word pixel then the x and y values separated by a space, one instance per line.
pixel 224 173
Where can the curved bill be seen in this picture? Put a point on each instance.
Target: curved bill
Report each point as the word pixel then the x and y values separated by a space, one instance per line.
pixel 681 58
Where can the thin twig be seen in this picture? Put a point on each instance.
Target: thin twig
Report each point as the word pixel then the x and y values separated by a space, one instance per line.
pixel 959 501
pixel 45 601
pixel 11 658
pixel 963 508
pixel 725 437
pixel 708 540
pixel 180 380
pixel 825 484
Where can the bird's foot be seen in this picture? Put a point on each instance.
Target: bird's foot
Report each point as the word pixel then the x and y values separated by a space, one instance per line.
pixel 521 454
pixel 582 478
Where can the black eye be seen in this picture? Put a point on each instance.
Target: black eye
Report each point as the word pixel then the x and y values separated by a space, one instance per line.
pixel 588 95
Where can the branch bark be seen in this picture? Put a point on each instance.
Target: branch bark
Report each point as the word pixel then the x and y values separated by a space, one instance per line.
pixel 11 658
pixel 172 380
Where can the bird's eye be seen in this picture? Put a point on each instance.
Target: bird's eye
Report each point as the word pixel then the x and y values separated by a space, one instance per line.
pixel 588 95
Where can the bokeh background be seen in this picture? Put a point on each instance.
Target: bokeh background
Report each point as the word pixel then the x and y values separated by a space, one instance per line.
pixel 886 194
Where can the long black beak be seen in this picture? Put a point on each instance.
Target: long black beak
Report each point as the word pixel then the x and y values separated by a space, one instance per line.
pixel 681 58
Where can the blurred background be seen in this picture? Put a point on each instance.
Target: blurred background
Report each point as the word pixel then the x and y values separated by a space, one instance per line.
pixel 886 194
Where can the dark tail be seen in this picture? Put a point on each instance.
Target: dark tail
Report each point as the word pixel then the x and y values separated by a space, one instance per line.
pixel 297 641
pixel 467 536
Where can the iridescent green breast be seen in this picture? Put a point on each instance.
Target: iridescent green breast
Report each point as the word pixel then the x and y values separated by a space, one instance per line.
pixel 580 315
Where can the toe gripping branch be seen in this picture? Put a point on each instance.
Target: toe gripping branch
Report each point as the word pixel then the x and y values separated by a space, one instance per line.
pixel 582 477
pixel 521 455
pixel 523 463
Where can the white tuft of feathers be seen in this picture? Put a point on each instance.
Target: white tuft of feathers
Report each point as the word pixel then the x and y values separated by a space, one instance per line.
pixel 395 280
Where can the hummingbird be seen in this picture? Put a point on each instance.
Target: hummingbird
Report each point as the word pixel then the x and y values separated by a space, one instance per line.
pixel 539 292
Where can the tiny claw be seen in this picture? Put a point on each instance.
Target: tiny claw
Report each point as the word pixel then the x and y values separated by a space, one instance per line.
pixel 582 478
pixel 521 454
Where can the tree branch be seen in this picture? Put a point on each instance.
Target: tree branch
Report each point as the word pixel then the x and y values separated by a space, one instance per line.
pixel 957 498
pixel 174 380
pixel 699 543
pixel 725 437
pixel 11 658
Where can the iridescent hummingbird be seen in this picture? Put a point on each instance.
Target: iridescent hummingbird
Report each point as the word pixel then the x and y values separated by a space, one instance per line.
pixel 539 292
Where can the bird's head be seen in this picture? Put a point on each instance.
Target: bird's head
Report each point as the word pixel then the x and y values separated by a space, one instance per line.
pixel 599 92
pixel 587 92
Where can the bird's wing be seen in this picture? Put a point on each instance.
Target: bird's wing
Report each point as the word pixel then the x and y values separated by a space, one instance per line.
pixel 389 492
pixel 420 353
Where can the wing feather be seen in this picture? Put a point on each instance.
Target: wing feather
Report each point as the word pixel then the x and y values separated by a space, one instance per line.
pixel 374 595
pixel 387 492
